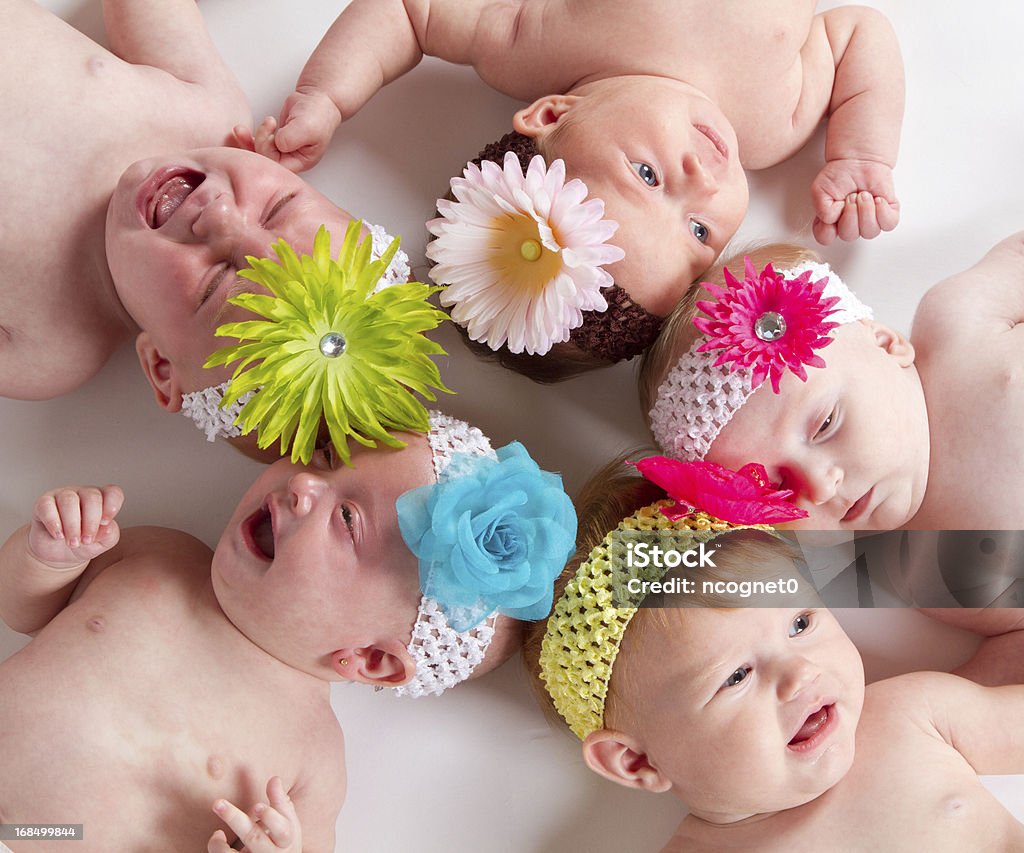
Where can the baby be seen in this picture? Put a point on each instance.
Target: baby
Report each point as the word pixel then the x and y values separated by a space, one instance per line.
pixel 758 718
pixel 656 106
pixel 117 227
pixel 884 432
pixel 195 678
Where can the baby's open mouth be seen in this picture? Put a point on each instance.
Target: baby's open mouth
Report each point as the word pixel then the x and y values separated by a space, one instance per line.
pixel 170 195
pixel 813 728
pixel 258 529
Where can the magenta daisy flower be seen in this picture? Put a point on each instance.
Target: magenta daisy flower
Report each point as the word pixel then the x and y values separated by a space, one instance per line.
pixel 767 323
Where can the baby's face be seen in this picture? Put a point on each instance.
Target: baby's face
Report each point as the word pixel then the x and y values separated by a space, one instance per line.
pixel 178 230
pixel 313 561
pixel 665 161
pixel 852 442
pixel 748 711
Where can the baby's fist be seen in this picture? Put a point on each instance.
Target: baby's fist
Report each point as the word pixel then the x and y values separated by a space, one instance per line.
pixel 853 198
pixel 308 121
pixel 74 524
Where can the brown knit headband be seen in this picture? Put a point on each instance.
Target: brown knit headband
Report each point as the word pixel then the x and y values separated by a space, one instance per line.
pixel 625 329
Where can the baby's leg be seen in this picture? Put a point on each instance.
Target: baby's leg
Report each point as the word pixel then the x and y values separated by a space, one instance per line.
pixel 1000 657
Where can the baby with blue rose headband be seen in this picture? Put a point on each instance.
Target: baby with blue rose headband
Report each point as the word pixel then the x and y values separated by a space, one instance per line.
pixel 408 569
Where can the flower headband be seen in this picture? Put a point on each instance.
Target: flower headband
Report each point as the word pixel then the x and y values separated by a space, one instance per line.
pixel 491 535
pixel 522 256
pixel 335 343
pixel 586 627
pixel 767 324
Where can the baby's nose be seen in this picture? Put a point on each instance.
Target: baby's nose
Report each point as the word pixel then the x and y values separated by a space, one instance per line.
pixel 227 232
pixel 821 484
pixel 699 178
pixel 796 675
pixel 305 490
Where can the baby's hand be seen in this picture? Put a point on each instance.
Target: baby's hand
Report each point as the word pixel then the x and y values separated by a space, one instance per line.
pixel 72 525
pixel 853 198
pixel 265 828
pixel 308 121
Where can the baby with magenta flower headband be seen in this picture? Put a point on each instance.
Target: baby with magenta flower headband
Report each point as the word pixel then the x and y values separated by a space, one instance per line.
pixel 657 120
pixel 786 368
pixel 752 710
pixel 411 569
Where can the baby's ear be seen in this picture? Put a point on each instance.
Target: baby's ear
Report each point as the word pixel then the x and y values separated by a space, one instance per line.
pixel 542 115
pixel 388 664
pixel 618 757
pixel 160 373
pixel 894 343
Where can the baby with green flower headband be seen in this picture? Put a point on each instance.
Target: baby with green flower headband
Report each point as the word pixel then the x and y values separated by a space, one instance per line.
pixel 757 717
pixel 409 569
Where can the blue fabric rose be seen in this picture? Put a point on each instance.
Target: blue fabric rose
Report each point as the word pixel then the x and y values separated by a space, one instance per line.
pixel 491 536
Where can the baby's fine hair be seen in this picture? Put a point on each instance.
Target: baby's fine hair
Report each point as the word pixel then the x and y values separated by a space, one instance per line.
pixel 678 333
pixel 615 492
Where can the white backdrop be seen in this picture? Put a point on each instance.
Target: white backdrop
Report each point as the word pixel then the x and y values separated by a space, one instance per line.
pixel 480 769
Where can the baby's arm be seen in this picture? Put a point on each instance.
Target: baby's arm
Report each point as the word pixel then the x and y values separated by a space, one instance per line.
pixel 41 564
pixel 854 195
pixel 1000 657
pixel 167 34
pixel 968 310
pixel 370 44
pixel 981 723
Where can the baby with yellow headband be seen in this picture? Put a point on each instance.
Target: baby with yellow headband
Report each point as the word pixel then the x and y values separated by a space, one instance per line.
pixel 872 430
pixel 758 718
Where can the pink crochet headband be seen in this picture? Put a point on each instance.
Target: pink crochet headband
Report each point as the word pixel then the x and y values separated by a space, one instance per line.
pixel 761 327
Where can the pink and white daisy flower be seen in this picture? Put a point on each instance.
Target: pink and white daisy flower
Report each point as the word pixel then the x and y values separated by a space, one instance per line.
pixel 521 255
pixel 768 323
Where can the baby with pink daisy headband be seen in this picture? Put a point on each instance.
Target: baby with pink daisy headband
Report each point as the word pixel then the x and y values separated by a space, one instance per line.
pixel 871 430
pixel 656 107
pixel 757 716
pixel 409 569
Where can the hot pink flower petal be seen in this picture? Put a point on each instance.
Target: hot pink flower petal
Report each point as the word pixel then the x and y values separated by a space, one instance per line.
pixel 739 497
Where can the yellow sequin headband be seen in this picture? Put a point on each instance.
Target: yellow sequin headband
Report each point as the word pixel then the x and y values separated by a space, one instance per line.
pixel 589 621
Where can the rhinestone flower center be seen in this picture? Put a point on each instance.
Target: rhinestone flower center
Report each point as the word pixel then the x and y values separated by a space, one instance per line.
pixel 332 344
pixel 770 326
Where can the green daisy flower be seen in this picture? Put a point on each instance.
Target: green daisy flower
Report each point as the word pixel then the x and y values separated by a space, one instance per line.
pixel 330 347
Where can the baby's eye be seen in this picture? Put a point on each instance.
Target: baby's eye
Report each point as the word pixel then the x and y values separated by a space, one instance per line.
pixel 646 173
pixel 323 457
pixel 737 677
pixel 700 231
pixel 827 423
pixel 800 624
pixel 346 516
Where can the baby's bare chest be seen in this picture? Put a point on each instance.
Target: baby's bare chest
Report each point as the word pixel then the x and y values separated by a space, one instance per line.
pixel 120 721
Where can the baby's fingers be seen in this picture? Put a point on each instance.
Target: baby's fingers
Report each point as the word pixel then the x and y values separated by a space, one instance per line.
pixel 824 232
pixel 279 818
pixel 265 142
pixel 252 835
pixel 218 843
pixel 887 212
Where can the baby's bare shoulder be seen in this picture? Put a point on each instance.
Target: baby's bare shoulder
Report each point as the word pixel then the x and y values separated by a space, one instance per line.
pixel 151 564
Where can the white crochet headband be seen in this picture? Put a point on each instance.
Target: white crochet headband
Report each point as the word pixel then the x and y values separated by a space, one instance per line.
pixel 698 398
pixel 203 407
pixel 445 657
